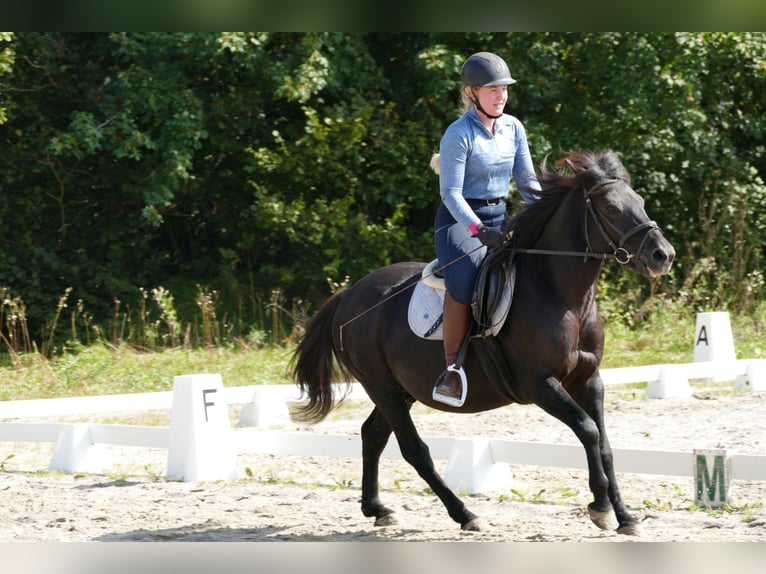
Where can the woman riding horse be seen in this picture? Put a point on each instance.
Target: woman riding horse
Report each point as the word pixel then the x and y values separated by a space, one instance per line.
pixel 551 343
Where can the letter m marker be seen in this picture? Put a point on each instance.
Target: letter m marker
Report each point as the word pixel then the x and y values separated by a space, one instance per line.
pixel 712 476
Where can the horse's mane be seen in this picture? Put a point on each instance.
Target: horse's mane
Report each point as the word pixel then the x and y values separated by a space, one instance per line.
pixel 576 170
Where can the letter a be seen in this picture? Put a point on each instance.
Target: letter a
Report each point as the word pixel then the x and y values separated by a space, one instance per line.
pixel 702 336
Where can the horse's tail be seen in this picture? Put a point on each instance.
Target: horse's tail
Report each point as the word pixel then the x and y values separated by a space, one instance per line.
pixel 316 365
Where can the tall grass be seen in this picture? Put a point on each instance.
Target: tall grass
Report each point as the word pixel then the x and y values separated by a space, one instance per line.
pixel 142 350
pixel 154 325
pixel 102 370
pixel 139 350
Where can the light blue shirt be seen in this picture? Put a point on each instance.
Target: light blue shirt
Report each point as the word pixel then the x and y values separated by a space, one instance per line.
pixel 475 164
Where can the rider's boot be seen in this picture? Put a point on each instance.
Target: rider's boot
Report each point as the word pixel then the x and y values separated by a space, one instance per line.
pixel 451 386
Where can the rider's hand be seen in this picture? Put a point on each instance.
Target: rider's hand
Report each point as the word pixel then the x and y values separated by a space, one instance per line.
pixel 490 236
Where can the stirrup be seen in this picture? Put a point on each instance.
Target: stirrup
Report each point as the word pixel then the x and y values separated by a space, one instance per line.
pixel 464 388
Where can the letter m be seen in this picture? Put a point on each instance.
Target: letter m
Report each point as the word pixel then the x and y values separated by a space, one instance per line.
pixel 711 490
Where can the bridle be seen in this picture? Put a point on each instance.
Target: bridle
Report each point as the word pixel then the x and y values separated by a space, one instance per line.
pixel 619 252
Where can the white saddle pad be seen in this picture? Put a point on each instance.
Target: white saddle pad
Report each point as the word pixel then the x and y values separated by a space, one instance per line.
pixel 427 308
pixel 425 312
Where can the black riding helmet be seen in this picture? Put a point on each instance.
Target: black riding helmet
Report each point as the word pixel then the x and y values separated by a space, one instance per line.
pixel 486 69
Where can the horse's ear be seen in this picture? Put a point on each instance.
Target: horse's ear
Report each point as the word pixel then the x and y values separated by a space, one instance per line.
pixel 571 166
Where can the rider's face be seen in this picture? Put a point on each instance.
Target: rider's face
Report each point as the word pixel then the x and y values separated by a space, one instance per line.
pixel 492 98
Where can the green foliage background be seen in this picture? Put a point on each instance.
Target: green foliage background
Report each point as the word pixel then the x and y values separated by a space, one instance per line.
pixel 254 170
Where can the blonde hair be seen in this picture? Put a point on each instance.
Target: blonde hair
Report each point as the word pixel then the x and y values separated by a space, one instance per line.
pixel 434 163
pixel 465 98
pixel 467 102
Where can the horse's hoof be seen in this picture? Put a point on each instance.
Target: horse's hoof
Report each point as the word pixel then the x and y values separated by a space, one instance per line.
pixel 387 520
pixel 605 520
pixel 631 529
pixel 474 525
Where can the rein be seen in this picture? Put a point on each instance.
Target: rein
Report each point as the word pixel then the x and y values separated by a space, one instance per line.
pixel 619 253
pixel 584 254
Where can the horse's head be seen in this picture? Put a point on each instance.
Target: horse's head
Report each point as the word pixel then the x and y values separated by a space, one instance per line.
pixel 616 223
pixel 617 212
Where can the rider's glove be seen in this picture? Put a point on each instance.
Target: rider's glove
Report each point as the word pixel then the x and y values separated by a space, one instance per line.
pixel 490 236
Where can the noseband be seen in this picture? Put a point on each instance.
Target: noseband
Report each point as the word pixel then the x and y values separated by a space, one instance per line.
pixel 619 253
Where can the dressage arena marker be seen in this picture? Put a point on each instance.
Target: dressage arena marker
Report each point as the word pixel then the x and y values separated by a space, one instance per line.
pixel 712 477
pixel 713 342
pixel 200 441
pixel 714 359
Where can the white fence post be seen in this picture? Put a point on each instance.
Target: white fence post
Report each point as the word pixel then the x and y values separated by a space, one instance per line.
pixel 75 451
pixel 266 408
pixel 672 382
pixel 754 378
pixel 471 468
pixel 201 443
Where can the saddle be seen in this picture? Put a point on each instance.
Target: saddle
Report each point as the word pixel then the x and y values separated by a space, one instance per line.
pixel 492 297
pixel 493 291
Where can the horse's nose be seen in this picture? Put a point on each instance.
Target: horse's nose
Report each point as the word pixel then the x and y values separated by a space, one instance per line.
pixel 663 256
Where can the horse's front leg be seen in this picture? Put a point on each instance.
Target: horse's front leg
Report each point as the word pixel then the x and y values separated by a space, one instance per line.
pixel 590 397
pixel 551 396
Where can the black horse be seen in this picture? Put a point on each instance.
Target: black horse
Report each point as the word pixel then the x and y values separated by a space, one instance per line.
pixel 552 341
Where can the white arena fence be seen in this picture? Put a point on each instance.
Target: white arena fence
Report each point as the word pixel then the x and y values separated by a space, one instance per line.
pixel 202 445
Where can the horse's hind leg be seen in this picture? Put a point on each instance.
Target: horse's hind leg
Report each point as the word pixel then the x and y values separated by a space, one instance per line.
pixel 375 434
pixel 415 451
pixel 395 414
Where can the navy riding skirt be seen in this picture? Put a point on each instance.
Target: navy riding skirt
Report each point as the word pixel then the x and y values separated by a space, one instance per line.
pixel 452 240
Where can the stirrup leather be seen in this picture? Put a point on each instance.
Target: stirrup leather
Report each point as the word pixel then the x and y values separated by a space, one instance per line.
pixel 464 389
